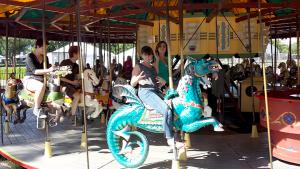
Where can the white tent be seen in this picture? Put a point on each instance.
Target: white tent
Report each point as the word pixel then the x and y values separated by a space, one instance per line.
pixel 87 52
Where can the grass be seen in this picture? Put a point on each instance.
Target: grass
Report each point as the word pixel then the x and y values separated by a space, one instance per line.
pixel 20 72
pixel 6 164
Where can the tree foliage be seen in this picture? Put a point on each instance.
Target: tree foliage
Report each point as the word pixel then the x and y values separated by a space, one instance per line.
pixel 284 48
pixel 18 45
pixel 117 48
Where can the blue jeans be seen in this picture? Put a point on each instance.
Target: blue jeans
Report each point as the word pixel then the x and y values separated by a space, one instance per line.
pixel 150 97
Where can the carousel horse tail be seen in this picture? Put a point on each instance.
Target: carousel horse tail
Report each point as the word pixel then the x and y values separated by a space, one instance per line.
pixel 118 134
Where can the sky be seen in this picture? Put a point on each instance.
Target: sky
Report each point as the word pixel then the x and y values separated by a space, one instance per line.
pixel 286 41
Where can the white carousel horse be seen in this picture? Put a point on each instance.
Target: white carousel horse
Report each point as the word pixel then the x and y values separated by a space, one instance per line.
pixel 91 80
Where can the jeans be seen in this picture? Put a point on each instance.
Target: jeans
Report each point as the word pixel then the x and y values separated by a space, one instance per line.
pixel 150 97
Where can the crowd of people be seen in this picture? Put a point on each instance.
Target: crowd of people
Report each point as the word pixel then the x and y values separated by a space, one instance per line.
pixel 286 73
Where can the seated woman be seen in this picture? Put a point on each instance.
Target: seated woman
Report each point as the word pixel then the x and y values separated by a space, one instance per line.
pixel 145 75
pixel 34 80
pixel 71 86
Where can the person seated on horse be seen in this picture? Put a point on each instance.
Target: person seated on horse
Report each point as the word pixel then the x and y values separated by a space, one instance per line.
pixel 145 75
pixel 70 85
pixel 34 80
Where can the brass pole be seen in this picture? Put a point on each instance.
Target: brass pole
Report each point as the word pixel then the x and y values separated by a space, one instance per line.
pixel 6 53
pixel 298 54
pixel 45 58
pixel 169 47
pixel 82 79
pixel 251 66
pixel 109 54
pixel 180 10
pixel 275 59
pixel 265 83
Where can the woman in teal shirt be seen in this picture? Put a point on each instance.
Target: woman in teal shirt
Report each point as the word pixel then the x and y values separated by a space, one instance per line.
pixel 161 64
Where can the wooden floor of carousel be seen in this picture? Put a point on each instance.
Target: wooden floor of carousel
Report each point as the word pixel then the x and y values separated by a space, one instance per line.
pixel 227 150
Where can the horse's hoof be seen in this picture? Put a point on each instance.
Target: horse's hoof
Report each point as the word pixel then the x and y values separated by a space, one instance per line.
pixel 61 119
pixel 218 129
pixel 221 125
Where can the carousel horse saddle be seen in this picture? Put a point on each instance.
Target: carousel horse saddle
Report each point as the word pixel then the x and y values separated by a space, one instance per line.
pixel 31 93
pixel 151 117
pixel 7 101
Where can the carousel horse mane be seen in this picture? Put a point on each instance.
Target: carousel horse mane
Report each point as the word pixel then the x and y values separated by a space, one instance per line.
pixel 90 80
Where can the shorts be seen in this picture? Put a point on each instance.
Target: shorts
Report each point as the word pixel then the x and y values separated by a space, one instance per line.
pixel 70 90
pixel 28 80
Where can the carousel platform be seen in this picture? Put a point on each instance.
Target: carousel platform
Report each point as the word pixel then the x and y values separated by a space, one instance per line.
pixel 25 147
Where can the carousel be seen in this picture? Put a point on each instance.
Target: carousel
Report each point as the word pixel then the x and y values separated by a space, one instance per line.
pixel 104 114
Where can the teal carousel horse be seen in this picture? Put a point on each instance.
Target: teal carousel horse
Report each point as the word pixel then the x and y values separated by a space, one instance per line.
pixel 186 104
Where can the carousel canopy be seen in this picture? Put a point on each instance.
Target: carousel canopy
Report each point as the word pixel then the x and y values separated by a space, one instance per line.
pixel 123 17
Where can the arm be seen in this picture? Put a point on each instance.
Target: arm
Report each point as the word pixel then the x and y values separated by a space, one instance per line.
pixel 29 63
pixel 67 80
pixel 137 75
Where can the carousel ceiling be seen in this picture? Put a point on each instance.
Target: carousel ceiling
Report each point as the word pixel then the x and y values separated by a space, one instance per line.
pixel 24 17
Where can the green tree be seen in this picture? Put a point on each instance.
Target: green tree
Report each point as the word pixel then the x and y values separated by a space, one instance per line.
pixel 15 46
pixel 54 45
pixel 294 48
pixel 117 47
pixel 282 48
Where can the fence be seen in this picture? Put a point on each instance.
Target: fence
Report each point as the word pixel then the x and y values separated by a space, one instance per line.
pixel 19 73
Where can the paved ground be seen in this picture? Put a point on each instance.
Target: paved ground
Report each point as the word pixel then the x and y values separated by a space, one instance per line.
pixel 227 150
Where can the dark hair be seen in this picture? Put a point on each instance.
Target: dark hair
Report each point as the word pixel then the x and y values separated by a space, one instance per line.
pixel 39 43
pixel 72 50
pixel 158 45
pixel 147 50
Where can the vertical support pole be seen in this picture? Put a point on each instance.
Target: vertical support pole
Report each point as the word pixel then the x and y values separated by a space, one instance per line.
pixel 71 29
pixel 14 54
pixel 159 26
pixel 135 60
pixel 124 59
pixel 182 155
pixel 180 10
pixel 109 53
pixel 217 37
pixel 48 150
pixel 254 133
pixel 1 113
pixel 275 59
pixel 169 46
pixel 175 161
pixel 290 49
pixel 272 60
pixel 84 133
pixel 265 83
pixel 100 46
pixel 298 55
pixel 6 53
pixel 94 52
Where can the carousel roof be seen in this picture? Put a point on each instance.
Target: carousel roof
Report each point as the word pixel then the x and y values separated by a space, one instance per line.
pixel 124 16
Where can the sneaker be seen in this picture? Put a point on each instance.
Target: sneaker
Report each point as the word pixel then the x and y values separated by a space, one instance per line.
pixel 39 113
pixel 178 144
